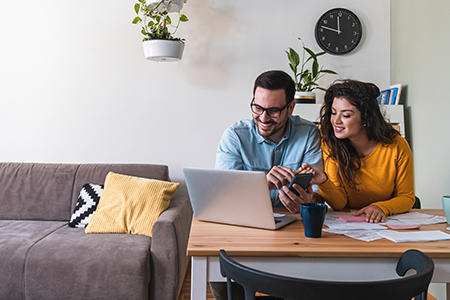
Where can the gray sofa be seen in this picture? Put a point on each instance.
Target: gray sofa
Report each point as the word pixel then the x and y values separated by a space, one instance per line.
pixel 42 258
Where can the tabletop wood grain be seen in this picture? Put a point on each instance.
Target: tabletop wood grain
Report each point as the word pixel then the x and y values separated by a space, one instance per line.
pixel 206 239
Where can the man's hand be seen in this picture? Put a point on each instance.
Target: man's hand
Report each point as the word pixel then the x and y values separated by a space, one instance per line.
pixel 373 213
pixel 278 177
pixel 291 201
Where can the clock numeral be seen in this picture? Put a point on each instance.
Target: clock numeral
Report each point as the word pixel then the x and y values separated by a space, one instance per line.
pixel 331 16
pixel 325 22
pixel 329 45
pixel 346 47
pixel 337 49
pixel 353 41
pixel 340 14
pixel 353 24
pixel 355 33
pixel 323 38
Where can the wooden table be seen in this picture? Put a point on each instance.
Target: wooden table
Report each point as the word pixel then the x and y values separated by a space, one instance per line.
pixel 288 252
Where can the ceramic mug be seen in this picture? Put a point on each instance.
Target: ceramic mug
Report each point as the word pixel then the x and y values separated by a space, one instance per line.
pixel 313 216
pixel 446 206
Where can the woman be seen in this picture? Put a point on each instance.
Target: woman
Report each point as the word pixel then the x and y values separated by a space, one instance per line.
pixel 367 164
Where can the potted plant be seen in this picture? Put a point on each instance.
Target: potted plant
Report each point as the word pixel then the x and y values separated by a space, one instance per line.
pixel 159 42
pixel 305 78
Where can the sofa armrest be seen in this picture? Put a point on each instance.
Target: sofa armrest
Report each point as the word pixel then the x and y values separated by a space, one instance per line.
pixel 168 250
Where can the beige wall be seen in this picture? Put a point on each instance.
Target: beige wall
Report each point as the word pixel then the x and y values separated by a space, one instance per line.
pixel 420 44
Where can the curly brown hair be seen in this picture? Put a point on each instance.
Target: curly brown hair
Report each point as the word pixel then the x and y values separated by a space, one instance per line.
pixel 363 96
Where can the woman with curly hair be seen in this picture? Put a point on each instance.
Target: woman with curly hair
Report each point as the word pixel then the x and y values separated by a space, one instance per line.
pixel 367 164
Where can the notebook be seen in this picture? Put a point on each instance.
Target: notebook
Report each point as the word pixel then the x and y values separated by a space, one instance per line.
pixel 232 197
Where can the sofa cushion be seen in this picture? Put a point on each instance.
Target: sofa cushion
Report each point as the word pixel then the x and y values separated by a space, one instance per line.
pixel 96 173
pixel 87 204
pixel 72 265
pixel 32 191
pixel 16 238
pixel 131 204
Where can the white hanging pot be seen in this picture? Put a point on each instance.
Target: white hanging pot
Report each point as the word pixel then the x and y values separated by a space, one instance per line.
pixel 175 6
pixel 305 97
pixel 163 50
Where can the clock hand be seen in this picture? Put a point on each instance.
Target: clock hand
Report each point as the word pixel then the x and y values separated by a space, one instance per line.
pixel 339 30
pixel 332 29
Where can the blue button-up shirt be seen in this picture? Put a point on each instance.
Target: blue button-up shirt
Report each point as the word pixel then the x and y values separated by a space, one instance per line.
pixel 243 148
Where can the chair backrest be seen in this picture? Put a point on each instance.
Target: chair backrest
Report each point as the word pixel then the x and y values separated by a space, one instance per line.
pixel 290 288
pixel 417 203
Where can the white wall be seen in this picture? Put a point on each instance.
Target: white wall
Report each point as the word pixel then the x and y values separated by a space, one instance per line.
pixel 420 61
pixel 75 86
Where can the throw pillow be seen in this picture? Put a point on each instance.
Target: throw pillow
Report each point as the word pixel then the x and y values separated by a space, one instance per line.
pixel 131 204
pixel 86 205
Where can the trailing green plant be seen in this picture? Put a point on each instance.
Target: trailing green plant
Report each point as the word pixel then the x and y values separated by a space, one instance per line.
pixel 305 78
pixel 156 20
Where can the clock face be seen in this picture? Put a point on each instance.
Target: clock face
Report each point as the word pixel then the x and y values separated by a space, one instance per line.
pixel 338 31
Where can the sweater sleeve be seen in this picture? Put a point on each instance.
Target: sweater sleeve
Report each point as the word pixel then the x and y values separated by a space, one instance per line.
pixel 403 197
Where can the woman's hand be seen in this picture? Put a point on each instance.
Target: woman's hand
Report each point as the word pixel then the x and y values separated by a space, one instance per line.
pixel 319 175
pixel 373 213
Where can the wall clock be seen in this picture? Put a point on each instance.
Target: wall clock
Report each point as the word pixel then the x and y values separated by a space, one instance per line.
pixel 338 31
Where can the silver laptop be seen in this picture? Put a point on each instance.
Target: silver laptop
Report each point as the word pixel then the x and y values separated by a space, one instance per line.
pixel 232 197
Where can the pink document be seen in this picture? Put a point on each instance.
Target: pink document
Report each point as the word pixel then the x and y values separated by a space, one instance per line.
pixel 353 218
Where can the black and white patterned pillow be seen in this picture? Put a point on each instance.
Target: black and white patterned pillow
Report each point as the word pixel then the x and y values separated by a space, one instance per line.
pixel 86 205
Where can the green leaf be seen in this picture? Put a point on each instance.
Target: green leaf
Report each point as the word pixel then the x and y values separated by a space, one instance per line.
pixel 310 52
pixel 315 69
pixel 136 20
pixel 183 18
pixel 137 6
pixel 168 20
pixel 321 53
pixel 294 57
pixel 328 71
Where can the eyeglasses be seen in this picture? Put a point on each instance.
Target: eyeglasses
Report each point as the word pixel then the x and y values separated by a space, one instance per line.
pixel 273 112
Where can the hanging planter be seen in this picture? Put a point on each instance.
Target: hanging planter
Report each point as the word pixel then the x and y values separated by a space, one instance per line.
pixel 166 5
pixel 163 50
pixel 159 42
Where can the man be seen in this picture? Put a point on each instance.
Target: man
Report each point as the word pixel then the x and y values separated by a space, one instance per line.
pixel 273 141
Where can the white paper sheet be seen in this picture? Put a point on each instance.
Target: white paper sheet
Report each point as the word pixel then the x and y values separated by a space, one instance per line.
pixel 414 236
pixel 363 235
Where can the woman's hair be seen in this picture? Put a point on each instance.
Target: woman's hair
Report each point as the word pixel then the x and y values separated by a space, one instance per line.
pixel 363 96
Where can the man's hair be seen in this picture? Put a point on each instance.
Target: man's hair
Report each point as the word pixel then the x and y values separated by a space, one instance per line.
pixel 276 80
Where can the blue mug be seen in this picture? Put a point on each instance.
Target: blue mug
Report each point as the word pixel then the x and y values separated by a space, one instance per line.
pixel 313 216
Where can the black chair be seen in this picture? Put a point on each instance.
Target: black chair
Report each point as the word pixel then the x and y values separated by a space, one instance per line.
pixel 417 203
pixel 289 288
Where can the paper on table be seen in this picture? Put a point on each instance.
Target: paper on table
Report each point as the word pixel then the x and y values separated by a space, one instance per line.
pixel 414 218
pixel 363 235
pixel 416 236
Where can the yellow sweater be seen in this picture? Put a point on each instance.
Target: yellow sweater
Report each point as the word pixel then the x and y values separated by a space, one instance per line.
pixel 386 179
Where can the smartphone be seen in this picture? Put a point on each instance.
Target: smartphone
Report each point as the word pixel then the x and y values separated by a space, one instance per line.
pixel 302 180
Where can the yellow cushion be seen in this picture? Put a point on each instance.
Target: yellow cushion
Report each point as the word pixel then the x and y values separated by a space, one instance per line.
pixel 130 204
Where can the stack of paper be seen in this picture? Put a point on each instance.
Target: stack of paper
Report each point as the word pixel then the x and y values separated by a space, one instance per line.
pixel 371 231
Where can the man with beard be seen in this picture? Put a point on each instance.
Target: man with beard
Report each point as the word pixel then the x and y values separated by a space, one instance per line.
pixel 273 141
